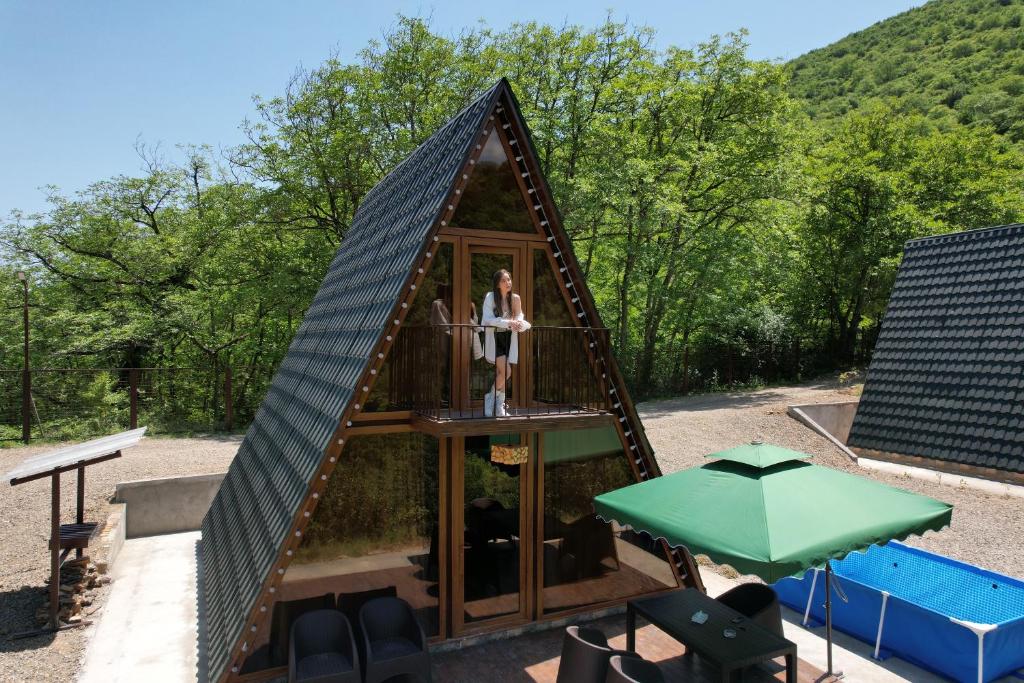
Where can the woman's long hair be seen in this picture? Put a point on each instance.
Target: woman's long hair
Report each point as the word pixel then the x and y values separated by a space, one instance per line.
pixel 495 280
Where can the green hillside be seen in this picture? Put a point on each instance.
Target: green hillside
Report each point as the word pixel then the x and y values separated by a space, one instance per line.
pixel 953 60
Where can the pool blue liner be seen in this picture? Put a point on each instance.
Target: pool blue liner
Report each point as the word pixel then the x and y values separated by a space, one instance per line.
pixel 950 617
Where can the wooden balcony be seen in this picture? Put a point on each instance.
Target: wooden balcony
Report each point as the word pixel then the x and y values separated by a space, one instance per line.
pixel 439 374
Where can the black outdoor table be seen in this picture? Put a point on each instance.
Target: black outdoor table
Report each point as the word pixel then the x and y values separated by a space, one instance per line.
pixel 671 613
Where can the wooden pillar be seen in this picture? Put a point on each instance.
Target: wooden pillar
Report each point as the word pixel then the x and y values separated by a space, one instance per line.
pixel 229 409
pixel 26 375
pixel 728 366
pixel 55 551
pixel 133 398
pixel 80 515
pixel 26 405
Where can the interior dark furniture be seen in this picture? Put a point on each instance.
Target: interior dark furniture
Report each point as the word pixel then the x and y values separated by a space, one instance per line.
pixel 587 542
pixel 585 655
pixel 322 649
pixel 633 670
pixel 758 602
pixel 751 643
pixel 394 640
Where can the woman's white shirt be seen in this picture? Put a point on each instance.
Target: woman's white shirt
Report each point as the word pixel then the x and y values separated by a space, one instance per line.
pixel 491 321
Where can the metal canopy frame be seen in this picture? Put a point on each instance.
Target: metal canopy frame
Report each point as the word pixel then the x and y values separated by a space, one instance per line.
pixel 54 464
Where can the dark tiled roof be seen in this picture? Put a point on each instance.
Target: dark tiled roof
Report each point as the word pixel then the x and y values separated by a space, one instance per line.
pixel 270 476
pixel 947 377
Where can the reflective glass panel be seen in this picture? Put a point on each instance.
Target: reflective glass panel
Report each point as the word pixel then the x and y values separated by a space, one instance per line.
pixel 586 560
pixel 491 518
pixel 563 377
pixel 492 199
pixel 404 372
pixel 376 526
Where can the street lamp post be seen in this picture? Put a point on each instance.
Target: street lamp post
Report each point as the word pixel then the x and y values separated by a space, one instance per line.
pixel 26 372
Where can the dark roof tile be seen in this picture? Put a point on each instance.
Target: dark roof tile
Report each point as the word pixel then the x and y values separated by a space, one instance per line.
pixel 947 374
pixel 250 516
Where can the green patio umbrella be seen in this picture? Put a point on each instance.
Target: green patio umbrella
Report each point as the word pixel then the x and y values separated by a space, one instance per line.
pixel 764 511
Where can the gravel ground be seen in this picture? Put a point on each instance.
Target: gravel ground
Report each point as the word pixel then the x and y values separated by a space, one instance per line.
pixel 25 560
pixel 986 529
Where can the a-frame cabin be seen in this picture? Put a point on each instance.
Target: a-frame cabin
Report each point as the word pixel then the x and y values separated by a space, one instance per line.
pixel 373 465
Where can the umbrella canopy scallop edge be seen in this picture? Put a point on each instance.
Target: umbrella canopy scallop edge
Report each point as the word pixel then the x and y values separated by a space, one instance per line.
pixel 774 521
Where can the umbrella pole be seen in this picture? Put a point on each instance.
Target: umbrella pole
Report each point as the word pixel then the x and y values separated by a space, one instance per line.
pixel 828 613
pixel 828 620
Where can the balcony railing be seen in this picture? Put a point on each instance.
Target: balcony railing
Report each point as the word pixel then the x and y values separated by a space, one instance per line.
pixel 437 371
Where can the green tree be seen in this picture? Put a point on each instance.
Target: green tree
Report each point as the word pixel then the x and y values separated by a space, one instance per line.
pixel 878 179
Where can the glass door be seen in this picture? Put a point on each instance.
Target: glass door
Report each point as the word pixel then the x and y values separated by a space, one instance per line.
pixel 486 383
pixel 492 506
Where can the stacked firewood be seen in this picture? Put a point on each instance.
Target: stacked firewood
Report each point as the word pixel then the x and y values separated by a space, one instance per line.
pixel 509 454
pixel 78 580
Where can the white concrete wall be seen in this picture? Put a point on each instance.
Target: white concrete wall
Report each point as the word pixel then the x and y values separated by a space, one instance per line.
pixel 167 505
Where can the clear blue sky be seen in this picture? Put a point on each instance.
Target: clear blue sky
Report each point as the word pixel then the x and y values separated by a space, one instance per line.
pixel 81 81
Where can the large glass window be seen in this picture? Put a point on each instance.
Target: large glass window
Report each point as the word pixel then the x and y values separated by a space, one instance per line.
pixel 562 372
pixel 586 560
pixel 492 199
pixel 549 305
pixel 376 526
pixel 491 520
pixel 405 376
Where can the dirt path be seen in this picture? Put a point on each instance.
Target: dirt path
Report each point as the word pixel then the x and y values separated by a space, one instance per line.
pixel 987 529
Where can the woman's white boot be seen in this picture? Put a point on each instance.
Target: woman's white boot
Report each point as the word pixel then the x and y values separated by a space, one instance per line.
pixel 489 403
pixel 499 404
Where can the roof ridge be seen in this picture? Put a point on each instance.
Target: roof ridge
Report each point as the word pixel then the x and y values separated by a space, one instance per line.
pixel 971 233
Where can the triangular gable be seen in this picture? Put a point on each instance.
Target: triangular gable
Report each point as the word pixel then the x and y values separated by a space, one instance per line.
pixel 293 442
pixel 257 519
pixel 493 195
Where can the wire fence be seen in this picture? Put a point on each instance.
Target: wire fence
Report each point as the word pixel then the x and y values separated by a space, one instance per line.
pixel 69 403
pixel 709 367
pixel 74 403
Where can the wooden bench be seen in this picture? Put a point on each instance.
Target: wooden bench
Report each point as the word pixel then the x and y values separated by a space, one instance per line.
pixel 75 537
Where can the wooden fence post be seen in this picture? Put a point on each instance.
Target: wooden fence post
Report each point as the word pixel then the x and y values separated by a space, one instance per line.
pixel 229 409
pixel 796 363
pixel 26 405
pixel 133 398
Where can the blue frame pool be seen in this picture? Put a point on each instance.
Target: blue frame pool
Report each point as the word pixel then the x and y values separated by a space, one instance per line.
pixel 950 617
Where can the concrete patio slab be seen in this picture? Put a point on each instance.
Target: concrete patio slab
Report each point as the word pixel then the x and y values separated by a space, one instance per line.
pixel 148 629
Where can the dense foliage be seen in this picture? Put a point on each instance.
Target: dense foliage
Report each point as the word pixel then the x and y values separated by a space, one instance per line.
pixel 727 237
pixel 955 61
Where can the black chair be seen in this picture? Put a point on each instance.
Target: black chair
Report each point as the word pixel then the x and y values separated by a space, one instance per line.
pixel 395 642
pixel 757 602
pixel 633 670
pixel 585 655
pixel 284 615
pixel 350 604
pixel 322 650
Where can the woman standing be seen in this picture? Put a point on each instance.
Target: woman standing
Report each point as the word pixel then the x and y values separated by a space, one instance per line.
pixel 503 320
